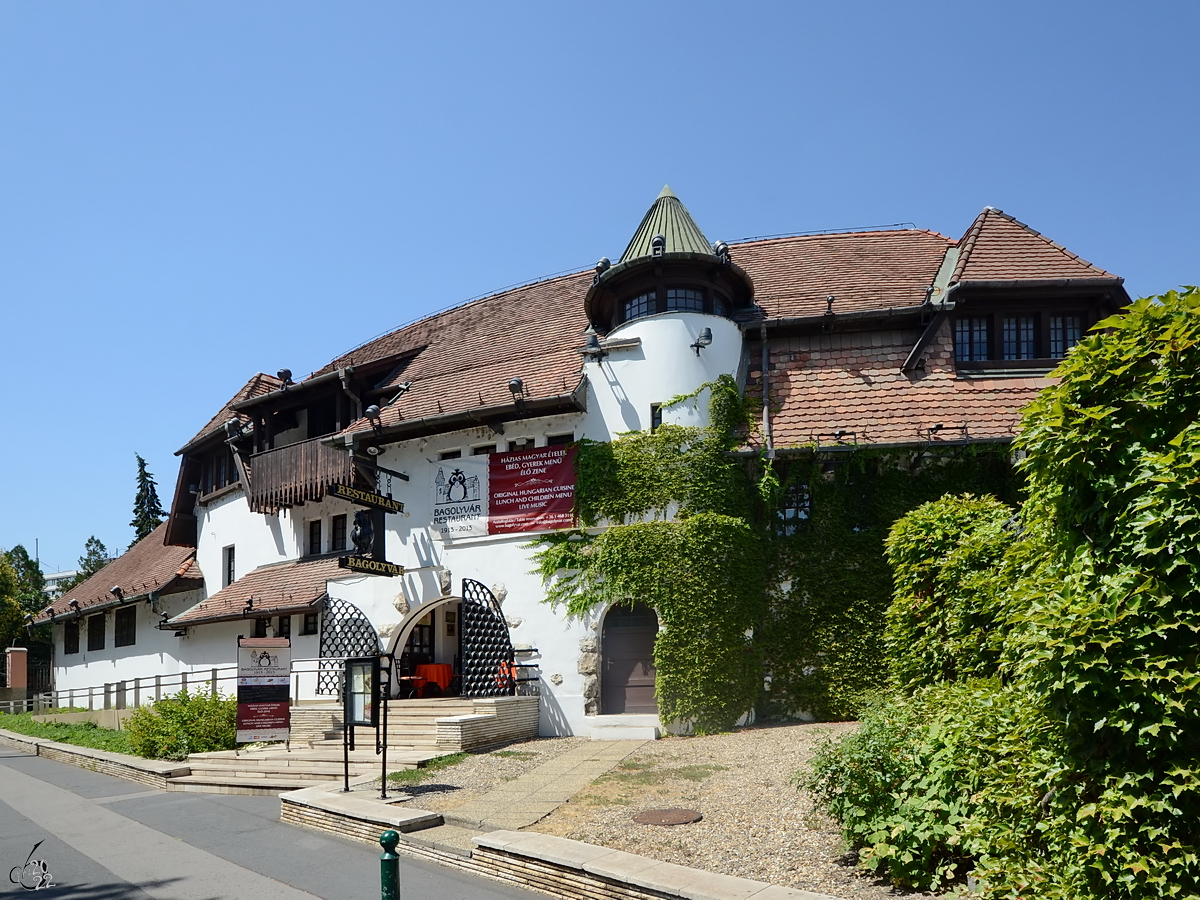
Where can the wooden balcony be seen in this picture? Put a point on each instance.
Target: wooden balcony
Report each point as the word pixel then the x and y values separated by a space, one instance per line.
pixel 295 474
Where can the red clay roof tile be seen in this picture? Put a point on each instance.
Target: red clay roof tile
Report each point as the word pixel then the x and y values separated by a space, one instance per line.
pixel 997 247
pixel 149 565
pixel 281 587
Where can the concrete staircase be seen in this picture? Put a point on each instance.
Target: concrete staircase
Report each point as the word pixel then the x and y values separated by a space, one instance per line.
pixel 316 754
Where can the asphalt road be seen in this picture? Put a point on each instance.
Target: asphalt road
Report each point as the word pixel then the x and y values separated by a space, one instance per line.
pixel 102 837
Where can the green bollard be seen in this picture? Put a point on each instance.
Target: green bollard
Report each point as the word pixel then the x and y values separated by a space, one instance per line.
pixel 389 866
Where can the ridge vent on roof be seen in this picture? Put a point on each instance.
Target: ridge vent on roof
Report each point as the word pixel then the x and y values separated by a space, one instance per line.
pixel 896 226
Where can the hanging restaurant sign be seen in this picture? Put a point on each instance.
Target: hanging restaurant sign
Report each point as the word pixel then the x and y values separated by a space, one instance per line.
pixel 264 689
pixel 364 498
pixel 369 566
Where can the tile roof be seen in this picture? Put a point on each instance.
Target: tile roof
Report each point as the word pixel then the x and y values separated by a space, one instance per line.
pixel 280 587
pixel 149 565
pixel 824 383
pixel 464 358
pixel 999 248
pixel 863 270
pixel 257 386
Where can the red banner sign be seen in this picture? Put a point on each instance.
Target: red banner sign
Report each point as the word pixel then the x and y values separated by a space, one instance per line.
pixel 531 490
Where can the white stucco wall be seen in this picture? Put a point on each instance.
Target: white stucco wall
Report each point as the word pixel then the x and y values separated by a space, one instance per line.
pixel 621 389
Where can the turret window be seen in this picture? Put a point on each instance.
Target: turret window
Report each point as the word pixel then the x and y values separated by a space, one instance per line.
pixel 644 305
pixel 685 299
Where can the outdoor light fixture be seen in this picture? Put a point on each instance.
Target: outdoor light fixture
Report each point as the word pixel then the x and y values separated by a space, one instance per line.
pixel 601 267
pixel 249 608
pixel 401 389
pixel 285 375
pixel 829 304
pixel 373 451
pixel 658 245
pixel 372 412
pixel 74 604
pixel 517 387
pixel 592 349
pixel 932 430
pixel 116 591
pixel 721 249
pixel 703 341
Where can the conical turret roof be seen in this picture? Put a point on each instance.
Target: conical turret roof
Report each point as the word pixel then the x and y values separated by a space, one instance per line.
pixel 671 219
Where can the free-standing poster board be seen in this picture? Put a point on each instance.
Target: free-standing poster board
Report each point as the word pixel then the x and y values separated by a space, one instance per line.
pixel 264 689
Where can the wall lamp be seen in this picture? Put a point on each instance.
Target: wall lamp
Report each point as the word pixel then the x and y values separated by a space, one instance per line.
pixel 592 349
pixel 517 388
pixel 373 414
pixel 703 341
pixel 116 591
pixel 74 604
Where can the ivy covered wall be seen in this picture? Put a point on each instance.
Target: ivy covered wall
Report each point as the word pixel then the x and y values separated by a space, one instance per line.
pixel 769 581
pixel 822 633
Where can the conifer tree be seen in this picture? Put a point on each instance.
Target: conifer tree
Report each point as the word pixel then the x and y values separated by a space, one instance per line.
pixel 147 511
pixel 95 557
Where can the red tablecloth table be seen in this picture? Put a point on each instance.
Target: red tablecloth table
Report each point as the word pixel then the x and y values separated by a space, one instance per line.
pixel 439 673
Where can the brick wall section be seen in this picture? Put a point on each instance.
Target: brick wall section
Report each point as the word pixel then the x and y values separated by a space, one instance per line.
pixel 852 381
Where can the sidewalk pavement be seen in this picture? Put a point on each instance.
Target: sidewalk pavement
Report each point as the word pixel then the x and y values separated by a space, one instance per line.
pixel 516 804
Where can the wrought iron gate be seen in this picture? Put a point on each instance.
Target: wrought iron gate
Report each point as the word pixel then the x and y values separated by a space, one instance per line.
pixel 345 631
pixel 487 652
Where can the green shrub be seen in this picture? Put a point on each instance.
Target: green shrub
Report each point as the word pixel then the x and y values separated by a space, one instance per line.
pixel 185 723
pixel 81 734
pixel 942 622
pixel 934 783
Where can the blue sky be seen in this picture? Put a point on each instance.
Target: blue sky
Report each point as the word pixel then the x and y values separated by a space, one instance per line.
pixel 193 192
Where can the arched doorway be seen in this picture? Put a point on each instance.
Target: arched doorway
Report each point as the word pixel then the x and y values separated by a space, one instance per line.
pixel 627 669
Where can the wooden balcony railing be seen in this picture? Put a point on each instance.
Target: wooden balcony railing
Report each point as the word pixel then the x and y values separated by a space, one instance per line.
pixel 291 475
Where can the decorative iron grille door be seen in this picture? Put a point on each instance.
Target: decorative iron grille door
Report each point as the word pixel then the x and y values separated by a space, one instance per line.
pixel 345 631
pixel 487 652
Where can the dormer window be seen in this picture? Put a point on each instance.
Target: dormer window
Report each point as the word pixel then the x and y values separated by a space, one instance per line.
pixel 1065 332
pixel 998 340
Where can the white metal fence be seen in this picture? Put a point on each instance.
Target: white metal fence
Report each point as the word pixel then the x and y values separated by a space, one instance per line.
pixel 130 693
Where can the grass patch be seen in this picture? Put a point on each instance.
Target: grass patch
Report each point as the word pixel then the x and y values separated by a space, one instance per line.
pixel 416 776
pixel 514 754
pixel 81 734
pixel 644 772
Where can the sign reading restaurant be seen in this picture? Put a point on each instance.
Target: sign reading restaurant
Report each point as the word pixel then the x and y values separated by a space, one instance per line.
pixel 364 498
pixel 504 493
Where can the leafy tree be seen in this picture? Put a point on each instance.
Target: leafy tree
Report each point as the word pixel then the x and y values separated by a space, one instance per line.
pixel 147 511
pixel 30 591
pixel 12 617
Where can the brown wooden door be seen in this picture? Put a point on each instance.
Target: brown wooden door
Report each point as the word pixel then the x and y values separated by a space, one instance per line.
pixel 627 648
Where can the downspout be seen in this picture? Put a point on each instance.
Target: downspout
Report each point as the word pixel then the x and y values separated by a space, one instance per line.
pixel 766 392
pixel 344 377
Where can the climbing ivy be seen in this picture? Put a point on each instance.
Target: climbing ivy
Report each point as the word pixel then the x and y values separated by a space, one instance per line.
pixel 822 637
pixel 691 527
pixel 680 538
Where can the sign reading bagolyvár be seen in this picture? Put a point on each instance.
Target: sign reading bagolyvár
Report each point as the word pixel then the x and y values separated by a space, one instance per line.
pixel 369 566
pixel 264 689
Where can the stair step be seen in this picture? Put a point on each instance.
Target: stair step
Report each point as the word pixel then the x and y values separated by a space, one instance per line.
pixel 228 784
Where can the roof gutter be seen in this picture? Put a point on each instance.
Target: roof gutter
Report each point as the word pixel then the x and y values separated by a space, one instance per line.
pixel 851 448
pixel 574 401
pixel 832 318
pixel 105 605
pixel 257 613
pixel 1097 282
